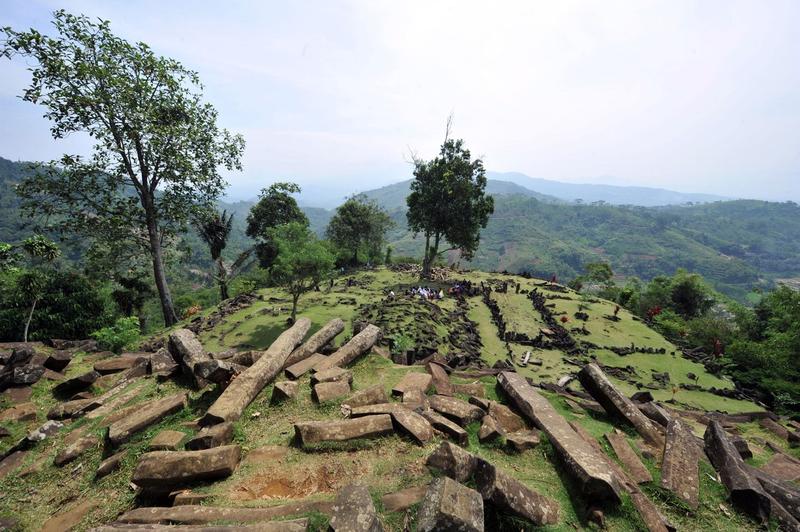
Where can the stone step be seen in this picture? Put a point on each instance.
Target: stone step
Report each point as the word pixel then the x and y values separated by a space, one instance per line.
pixel 164 471
pixel 145 415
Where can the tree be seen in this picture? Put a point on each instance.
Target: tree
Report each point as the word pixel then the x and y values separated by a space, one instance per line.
pixel 448 201
pixel 359 227
pixel 599 272
pixel 275 207
pixel 214 229
pixel 302 260
pixel 157 147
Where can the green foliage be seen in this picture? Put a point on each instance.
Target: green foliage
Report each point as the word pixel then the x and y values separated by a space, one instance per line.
pixel 401 343
pixel 157 145
pixel 599 272
pixel 117 337
pixel 358 228
pixel 69 305
pixel 302 260
pixel 275 207
pixel 448 201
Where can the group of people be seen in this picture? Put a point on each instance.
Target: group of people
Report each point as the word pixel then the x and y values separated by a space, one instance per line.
pixel 425 292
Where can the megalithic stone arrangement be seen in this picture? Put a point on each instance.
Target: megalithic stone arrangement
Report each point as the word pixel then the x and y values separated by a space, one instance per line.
pixel 357 346
pixel 243 389
pixel 317 341
pixel 582 462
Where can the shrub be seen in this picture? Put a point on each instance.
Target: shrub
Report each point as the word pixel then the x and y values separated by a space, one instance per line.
pixel 123 333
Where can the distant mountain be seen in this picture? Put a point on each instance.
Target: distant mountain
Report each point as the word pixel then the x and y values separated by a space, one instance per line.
pixel 615 195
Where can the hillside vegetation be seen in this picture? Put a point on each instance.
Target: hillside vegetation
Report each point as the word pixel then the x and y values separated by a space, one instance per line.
pixel 277 470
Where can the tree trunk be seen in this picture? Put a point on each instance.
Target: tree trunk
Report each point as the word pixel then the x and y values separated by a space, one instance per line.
pixel 222 280
pixel 167 309
pixel 28 321
pixel 295 297
pixel 426 261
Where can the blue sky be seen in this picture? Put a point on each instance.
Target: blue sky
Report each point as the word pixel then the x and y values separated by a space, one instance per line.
pixel 697 96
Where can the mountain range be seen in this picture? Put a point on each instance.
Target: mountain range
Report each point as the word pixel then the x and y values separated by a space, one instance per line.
pixel 737 245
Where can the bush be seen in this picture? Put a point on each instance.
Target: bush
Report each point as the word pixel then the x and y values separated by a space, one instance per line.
pixel 117 337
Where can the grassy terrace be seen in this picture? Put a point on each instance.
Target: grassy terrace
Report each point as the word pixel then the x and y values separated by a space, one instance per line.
pixel 274 470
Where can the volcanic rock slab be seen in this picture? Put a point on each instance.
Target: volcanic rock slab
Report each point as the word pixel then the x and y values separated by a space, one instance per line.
pixel 348 429
pixel 201 515
pixel 368 396
pixel 75 450
pixel 449 505
pixel 399 501
pixel 679 469
pixel 582 462
pixel 297 370
pixel 213 436
pixel 745 491
pixel 188 351
pixel 523 440
pixel 110 464
pixel 444 425
pixel 459 411
pixel 353 511
pixel 330 391
pixel 357 346
pixel 144 416
pixel 512 496
pixel 166 440
pixel 413 381
pixel 162 365
pixel 636 469
pixel 441 380
pixel 596 383
pixel 506 419
pixel 240 393
pixel 316 342
pixel 76 384
pixel 58 360
pixel 284 390
pixel 166 470
pixel 335 374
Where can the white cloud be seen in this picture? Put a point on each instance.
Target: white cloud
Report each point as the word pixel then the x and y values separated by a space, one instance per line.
pixel 696 96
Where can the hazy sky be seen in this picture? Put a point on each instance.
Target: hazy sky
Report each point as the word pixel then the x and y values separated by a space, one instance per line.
pixel 699 96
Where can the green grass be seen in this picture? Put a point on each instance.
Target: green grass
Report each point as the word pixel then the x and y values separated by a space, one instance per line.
pixel 389 463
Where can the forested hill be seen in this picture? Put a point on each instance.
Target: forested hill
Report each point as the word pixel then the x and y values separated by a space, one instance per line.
pixel 734 244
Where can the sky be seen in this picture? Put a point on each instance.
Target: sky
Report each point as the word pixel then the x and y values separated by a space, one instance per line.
pixel 700 96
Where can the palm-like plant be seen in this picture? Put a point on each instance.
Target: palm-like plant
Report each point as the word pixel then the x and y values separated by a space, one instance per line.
pixel 215 229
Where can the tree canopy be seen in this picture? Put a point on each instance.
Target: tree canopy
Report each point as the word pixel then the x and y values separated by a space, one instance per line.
pixel 157 147
pixel 275 207
pixel 358 228
pixel 448 202
pixel 302 260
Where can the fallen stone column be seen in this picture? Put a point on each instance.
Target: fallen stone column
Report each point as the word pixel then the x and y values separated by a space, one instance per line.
pixel 582 462
pixel 144 416
pixel 653 520
pixel 244 388
pixel 679 469
pixel 317 341
pixel 357 346
pixel 596 383
pixel 188 351
pixel 295 371
pixel 295 525
pixel 200 515
pixel 636 469
pixel 165 470
pixel 459 411
pixel 786 494
pixel 407 420
pixel 513 496
pixel 348 429
pixel 447 427
pixel 745 491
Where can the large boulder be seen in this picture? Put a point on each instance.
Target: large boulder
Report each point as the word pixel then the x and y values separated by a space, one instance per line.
pixel 188 351
pixel 76 384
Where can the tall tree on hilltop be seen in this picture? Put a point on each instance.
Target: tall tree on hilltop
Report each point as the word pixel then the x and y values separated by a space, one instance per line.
pixel 359 226
pixel 157 146
pixel 275 207
pixel 448 201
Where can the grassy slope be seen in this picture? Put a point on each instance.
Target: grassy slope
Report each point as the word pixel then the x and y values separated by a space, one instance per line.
pixel 387 464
